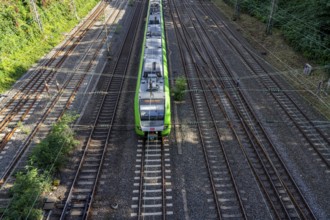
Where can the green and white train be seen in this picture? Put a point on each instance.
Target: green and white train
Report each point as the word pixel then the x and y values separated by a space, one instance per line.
pixel 152 109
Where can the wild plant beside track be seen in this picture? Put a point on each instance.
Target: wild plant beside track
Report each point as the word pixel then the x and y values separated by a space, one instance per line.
pixel 180 88
pixel 36 179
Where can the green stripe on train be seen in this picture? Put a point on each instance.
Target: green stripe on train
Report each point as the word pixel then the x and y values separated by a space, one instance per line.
pixel 167 119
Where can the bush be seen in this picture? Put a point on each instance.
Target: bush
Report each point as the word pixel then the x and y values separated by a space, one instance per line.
pixel 52 151
pixel 26 203
pixel 180 88
pixel 46 158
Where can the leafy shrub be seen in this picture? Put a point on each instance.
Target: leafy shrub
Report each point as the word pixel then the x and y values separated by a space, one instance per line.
pixel 26 203
pixel 50 153
pixel 47 157
pixel 180 88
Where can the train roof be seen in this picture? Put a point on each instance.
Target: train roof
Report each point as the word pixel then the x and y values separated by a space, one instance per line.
pixel 152 79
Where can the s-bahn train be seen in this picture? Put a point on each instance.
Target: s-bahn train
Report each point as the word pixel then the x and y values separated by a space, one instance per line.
pixel 152 96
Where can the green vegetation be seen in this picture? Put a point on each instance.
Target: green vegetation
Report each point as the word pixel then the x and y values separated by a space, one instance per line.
pixel 130 2
pixel 22 42
pixel 24 129
pixel 118 29
pixel 180 88
pixel 304 24
pixel 26 191
pixel 47 157
pixel 50 154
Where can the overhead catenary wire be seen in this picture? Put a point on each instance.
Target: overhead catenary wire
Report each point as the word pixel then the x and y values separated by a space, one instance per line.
pixel 37 196
pixel 291 72
pixel 239 98
pixel 294 71
pixel 288 67
pixel 309 26
pixel 275 90
pixel 278 72
pixel 315 123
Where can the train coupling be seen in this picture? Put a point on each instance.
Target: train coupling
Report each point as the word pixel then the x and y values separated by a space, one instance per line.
pixel 152 135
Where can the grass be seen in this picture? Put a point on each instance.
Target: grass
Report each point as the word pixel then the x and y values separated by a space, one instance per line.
pixel 21 42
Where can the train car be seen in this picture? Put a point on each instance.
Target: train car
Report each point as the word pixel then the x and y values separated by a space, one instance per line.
pixel 152 96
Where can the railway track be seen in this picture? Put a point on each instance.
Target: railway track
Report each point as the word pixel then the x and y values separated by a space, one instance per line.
pixel 282 193
pixel 57 104
pixel 80 197
pixel 226 196
pixel 152 185
pixel 16 109
pixel 314 139
pixel 62 99
pixel 218 105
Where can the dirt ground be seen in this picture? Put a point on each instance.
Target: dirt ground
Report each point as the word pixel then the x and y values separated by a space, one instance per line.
pixel 289 63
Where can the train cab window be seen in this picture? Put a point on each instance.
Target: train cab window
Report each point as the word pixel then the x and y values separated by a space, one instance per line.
pixel 152 109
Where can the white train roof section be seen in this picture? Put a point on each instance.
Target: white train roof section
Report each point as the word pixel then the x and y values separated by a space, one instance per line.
pixel 152 80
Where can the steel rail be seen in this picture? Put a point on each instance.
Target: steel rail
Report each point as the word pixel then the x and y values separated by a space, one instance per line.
pixel 203 41
pixel 249 64
pixel 199 130
pixel 203 91
pixel 163 179
pixel 218 135
pixel 215 85
pixel 70 99
pixel 38 73
pixel 38 83
pixel 146 142
pixel 240 200
pixel 141 179
pixel 267 137
pixel 130 36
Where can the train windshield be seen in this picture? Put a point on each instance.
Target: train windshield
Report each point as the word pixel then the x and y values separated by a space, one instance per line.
pixel 152 109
